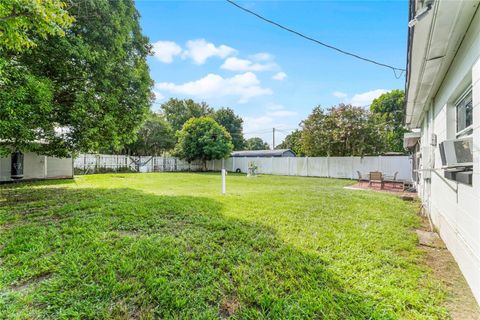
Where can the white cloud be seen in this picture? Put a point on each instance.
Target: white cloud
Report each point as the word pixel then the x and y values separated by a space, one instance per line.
pixel 262 56
pixel 236 64
pixel 339 94
pixel 279 111
pixel 200 50
pixel 262 127
pixel 276 116
pixel 282 113
pixel 253 124
pixel 165 51
pixel 366 98
pixel 279 76
pixel 275 106
pixel 244 86
pixel 158 95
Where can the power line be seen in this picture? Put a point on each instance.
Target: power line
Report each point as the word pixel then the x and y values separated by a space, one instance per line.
pixel 394 69
pixel 279 131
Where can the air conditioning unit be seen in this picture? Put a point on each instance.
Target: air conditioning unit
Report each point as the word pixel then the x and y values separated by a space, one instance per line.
pixel 457 152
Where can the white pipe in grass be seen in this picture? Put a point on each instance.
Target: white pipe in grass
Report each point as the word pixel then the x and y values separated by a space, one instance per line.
pixel 224 174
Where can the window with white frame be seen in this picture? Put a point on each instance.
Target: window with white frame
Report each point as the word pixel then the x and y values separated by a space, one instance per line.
pixel 464 108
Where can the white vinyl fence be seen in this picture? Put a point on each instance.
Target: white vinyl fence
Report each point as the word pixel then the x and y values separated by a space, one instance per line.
pixel 332 167
pixel 97 163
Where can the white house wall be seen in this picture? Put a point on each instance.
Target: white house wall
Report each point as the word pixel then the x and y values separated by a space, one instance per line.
pixel 59 167
pixel 34 167
pixel 455 207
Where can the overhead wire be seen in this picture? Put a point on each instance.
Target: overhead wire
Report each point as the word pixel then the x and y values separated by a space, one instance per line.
pixel 394 69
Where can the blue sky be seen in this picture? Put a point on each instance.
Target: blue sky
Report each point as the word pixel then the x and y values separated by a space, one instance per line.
pixel 211 51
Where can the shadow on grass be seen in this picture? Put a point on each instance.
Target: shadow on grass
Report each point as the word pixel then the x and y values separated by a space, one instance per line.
pixel 123 254
pixel 31 183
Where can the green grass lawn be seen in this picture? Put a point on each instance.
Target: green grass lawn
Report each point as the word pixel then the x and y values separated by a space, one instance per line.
pixel 169 245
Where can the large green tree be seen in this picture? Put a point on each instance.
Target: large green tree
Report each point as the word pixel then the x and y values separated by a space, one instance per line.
pixel 26 98
pixel 343 131
pixel 98 80
pixel 25 110
pixel 293 142
pixel 203 139
pixel 227 118
pixel 178 111
pixel 391 106
pixel 25 22
pixel 154 137
pixel 256 143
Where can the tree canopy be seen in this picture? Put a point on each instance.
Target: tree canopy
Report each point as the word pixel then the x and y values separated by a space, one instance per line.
pixel 293 142
pixel 154 137
pixel 391 106
pixel 94 83
pixel 203 139
pixel 25 110
pixel 25 22
pixel 178 112
pixel 227 118
pixel 256 143
pixel 343 131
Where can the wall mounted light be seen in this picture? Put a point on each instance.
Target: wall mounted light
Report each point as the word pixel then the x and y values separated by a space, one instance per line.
pixel 421 13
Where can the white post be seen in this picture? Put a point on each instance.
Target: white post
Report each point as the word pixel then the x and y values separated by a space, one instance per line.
pixel 45 168
pixel 352 175
pixel 223 177
pixel 328 166
pixel 306 164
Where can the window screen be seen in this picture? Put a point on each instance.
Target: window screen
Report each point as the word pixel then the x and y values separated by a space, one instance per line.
pixel 464 114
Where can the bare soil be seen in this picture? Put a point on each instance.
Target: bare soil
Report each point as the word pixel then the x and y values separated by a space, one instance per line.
pixel 459 301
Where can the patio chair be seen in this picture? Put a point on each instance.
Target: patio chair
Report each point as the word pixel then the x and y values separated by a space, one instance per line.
pixel 392 178
pixel 376 177
pixel 359 176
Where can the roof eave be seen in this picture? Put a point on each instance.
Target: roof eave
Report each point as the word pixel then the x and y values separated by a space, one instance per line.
pixel 433 44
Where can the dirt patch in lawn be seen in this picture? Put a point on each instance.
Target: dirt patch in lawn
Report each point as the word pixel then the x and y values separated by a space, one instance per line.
pixel 229 306
pixel 460 302
pixel 129 233
pixel 26 285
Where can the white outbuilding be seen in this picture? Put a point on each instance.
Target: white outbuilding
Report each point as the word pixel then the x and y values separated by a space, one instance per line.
pixel 34 167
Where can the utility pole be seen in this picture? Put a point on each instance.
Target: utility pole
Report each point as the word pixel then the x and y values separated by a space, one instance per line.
pixel 273 144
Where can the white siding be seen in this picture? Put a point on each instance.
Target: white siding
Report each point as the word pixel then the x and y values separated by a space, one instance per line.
pixel 59 167
pixel 454 207
pixel 34 167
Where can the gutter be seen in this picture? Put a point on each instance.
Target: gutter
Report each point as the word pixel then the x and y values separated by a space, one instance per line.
pixel 411 15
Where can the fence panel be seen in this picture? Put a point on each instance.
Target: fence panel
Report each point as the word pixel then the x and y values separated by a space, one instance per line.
pixel 300 167
pixel 97 163
pixel 280 166
pixel 318 167
pixel 390 165
pixel 334 167
pixel 340 167
pixel 365 165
